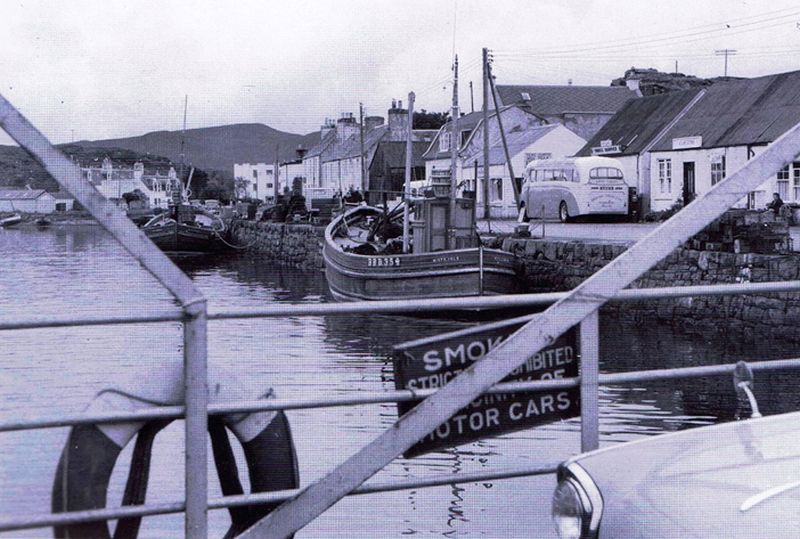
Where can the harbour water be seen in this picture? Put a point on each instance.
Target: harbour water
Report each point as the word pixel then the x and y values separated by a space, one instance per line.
pixel 80 269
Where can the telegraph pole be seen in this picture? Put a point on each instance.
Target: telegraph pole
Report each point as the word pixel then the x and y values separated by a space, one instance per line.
pixel 361 134
pixel 725 53
pixel 471 98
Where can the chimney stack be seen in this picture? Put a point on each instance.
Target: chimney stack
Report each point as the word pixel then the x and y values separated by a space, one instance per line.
pixel 326 128
pixel 398 122
pixel 346 127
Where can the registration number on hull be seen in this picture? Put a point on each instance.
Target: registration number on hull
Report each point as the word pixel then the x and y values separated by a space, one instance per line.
pixel 383 261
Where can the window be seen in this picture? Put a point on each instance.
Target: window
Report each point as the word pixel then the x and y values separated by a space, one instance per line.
pixel 255 174
pixel 444 142
pixel 605 172
pixel 496 189
pixel 525 96
pixel 782 185
pixel 796 180
pixel 665 175
pixel 717 169
pixel 464 137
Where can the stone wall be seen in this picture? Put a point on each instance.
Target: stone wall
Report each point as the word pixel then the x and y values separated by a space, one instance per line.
pixel 561 265
pixel 293 245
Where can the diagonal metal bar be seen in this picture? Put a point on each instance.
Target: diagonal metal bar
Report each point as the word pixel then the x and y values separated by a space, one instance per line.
pixel 531 338
pixel 68 175
pixel 133 240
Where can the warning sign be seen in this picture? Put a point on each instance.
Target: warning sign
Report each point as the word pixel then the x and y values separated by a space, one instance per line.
pixel 432 363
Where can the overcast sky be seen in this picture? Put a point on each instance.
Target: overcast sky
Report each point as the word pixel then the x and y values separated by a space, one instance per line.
pixel 102 69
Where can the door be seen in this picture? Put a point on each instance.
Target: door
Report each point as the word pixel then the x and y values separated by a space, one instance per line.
pixel 688 183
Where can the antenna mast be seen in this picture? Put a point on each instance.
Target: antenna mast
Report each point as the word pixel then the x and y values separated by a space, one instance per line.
pixel 451 233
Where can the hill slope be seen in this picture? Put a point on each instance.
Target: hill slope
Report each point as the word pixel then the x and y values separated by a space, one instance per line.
pixel 215 148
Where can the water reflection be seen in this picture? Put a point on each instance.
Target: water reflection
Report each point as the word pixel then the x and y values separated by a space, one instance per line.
pixel 79 269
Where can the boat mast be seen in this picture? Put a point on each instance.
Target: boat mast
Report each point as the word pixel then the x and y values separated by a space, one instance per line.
pixel 409 153
pixel 183 137
pixel 486 207
pixel 451 233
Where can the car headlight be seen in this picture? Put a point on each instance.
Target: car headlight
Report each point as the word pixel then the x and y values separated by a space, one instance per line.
pixel 577 504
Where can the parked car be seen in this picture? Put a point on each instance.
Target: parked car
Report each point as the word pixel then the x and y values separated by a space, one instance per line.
pixel 734 480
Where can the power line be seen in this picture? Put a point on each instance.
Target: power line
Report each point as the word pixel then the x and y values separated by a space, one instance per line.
pixel 654 41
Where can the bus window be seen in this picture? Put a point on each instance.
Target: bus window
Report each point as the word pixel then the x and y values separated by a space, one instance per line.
pixel 605 175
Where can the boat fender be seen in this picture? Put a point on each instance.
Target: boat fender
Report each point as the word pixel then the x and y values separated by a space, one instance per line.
pixel 87 462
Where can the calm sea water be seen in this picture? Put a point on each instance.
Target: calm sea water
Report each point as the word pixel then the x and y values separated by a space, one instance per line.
pixel 81 270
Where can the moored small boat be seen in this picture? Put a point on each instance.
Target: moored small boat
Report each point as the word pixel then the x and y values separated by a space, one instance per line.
pixel 11 220
pixel 187 229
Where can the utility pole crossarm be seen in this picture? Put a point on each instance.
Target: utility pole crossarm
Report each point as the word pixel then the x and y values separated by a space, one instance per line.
pixel 725 53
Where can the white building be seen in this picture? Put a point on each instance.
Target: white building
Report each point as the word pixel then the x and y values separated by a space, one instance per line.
pixel 254 180
pixel 113 182
pixel 27 201
pixel 335 163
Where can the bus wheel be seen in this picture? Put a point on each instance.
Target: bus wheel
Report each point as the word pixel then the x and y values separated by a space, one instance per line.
pixel 563 212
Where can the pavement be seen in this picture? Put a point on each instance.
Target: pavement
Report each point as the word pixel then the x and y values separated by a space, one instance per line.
pixel 608 232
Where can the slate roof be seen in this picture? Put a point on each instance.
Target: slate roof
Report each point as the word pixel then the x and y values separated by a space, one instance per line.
pixel 742 112
pixel 467 121
pixel 21 194
pixel 518 138
pixel 550 100
pixel 394 152
pixel 319 148
pixel 352 146
pixel 639 121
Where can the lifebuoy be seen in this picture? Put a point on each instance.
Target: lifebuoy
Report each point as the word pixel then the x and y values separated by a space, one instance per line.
pixel 87 461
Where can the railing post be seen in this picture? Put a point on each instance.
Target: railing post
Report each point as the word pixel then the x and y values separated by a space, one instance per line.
pixel 590 371
pixel 196 395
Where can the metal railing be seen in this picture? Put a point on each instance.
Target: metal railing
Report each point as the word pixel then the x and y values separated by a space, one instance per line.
pixel 580 306
pixel 588 382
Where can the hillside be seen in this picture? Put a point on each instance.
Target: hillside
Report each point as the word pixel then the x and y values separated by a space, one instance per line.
pixel 18 168
pixel 215 148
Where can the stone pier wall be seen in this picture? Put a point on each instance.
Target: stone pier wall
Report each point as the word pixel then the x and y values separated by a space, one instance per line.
pixel 293 245
pixel 549 265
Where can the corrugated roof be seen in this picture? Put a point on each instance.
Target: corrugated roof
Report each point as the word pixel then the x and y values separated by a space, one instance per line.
pixel 639 121
pixel 742 112
pixel 562 99
pixel 21 194
pixel 518 138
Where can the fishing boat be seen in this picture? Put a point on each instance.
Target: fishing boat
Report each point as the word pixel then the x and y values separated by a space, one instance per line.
pixel 185 228
pixel 363 261
pixel 11 220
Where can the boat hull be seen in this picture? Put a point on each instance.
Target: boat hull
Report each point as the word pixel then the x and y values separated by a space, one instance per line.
pixel 440 274
pixel 175 237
